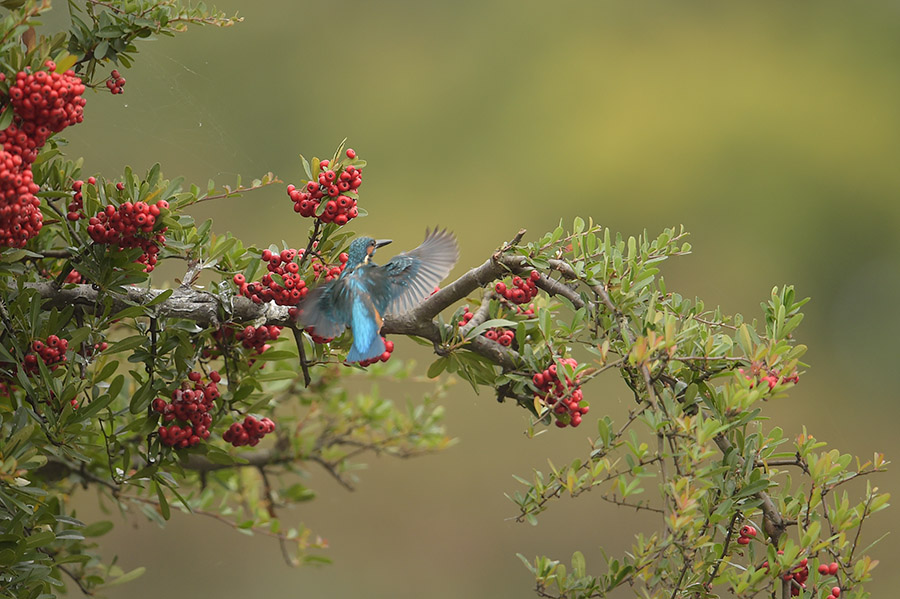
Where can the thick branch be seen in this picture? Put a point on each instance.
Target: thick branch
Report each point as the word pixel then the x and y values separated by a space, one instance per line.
pixel 190 304
pixel 207 310
pixel 774 523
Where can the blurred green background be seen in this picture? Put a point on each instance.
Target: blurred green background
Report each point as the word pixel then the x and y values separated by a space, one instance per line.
pixel 770 130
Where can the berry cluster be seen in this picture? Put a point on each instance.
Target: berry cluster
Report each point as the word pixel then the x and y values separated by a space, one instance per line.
pixel 564 398
pixel 746 534
pixel 257 338
pixel 384 357
pixel 798 574
pixel 43 102
pixel 289 292
pixel 115 83
pixel 312 333
pixel 830 570
pixel 48 99
pixel 330 188
pixel 331 271
pixel 758 375
pixel 137 225
pixel 20 213
pixel 521 290
pixel 292 287
pixel 77 204
pixel 501 335
pixel 248 432
pixel 52 352
pixel 191 407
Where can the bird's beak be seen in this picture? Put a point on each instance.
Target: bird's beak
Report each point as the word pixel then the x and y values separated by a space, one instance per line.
pixel 382 242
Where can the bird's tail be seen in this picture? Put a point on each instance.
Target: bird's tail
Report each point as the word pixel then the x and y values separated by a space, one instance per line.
pixel 376 348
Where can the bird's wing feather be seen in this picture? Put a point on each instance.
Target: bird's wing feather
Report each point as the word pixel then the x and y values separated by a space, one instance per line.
pixel 412 276
pixel 318 309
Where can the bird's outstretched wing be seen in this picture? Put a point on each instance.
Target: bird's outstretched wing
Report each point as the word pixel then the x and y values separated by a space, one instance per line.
pixel 412 276
pixel 318 309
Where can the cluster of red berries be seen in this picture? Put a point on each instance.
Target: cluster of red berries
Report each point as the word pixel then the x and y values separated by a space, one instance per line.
pixel 292 288
pixel 52 352
pixel 48 99
pixel 115 83
pixel 44 102
pixel 248 432
pixel 746 533
pixel 760 375
pixel 257 338
pixel 466 317
pixel 798 574
pixel 191 407
pixel 501 335
pixel 20 213
pixel 136 225
pixel 330 188
pixel 830 570
pixel 564 398
pixel 288 293
pixel 522 290
pixel 331 271
pixel 77 204
pixel 384 357
pixel 74 277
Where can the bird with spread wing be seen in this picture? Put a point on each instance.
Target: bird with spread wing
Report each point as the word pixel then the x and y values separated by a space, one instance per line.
pixel 366 291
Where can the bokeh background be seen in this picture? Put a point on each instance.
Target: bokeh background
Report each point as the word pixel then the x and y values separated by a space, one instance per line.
pixel 770 130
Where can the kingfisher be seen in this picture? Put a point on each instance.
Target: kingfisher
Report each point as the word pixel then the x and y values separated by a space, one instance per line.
pixel 364 292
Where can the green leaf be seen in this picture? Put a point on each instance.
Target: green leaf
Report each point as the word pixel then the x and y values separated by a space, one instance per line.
pixel 141 399
pixel 437 367
pixel 6 117
pixel 578 225
pixel 163 503
pixel 129 312
pixel 128 577
pixel 578 564
pixel 488 324
pixel 126 344
pixel 161 297
pixel 101 49
pixel 97 529
pixel 40 539
pixel 753 488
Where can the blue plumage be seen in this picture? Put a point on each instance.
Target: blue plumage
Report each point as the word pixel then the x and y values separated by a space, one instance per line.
pixel 365 291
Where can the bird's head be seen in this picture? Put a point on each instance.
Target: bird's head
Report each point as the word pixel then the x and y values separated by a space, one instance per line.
pixel 361 250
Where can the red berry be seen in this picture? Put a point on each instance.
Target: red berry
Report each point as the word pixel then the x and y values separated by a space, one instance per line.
pixel 836 591
pixel 351 154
